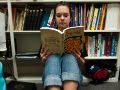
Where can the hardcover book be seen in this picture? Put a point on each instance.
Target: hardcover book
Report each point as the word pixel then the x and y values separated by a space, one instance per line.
pixel 56 41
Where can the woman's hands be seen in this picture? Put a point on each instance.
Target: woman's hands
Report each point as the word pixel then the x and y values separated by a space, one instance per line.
pixel 44 54
pixel 77 54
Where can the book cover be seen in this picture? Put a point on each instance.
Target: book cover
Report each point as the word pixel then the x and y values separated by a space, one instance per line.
pixel 113 17
pixel 56 41
pixel 44 18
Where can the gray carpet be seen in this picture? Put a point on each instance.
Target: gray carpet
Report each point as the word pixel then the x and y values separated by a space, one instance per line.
pixel 104 86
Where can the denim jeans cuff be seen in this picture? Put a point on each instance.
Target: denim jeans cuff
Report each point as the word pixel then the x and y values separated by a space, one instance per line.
pixel 52 80
pixel 72 76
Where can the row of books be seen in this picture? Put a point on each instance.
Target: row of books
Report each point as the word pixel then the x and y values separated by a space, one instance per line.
pixel 101 45
pixel 92 16
pixel 96 16
pixel 27 18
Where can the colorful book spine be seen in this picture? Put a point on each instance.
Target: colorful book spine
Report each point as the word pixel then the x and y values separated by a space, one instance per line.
pixel 98 18
pixel 103 14
pixel 116 45
pixel 93 45
pixel 85 12
pixel 94 19
pixel 90 17
pixel 99 44
pixel 79 14
pixel 102 46
pixel 50 18
pixel 112 50
pixel 90 46
pixel 96 45
pixel 72 23
pixel 45 17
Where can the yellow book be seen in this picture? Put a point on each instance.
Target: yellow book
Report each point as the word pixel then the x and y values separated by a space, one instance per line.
pixel 94 19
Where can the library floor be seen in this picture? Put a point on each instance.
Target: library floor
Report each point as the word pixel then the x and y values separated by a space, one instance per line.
pixel 104 86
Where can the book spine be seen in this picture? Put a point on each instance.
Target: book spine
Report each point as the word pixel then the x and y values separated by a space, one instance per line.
pixel 93 45
pixel 79 14
pixel 94 19
pixel 45 17
pixel 50 18
pixel 76 15
pixel 86 43
pixel 106 45
pixel 112 50
pixel 99 44
pixel 32 22
pixel 116 45
pixel 39 18
pixel 96 45
pixel 36 15
pixel 72 14
pixel 82 10
pixel 90 46
pixel 85 13
pixel 98 18
pixel 90 17
pixel 103 14
pixel 27 17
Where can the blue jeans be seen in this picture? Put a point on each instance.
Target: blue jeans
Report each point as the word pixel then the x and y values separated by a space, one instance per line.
pixel 61 68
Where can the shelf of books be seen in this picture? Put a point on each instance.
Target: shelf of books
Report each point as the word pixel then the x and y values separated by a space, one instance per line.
pixel 101 58
pixel 96 18
pixel 101 30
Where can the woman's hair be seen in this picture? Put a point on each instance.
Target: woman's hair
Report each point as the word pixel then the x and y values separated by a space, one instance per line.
pixel 62 4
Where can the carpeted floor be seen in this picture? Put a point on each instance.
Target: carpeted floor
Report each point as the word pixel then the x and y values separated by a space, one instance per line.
pixel 104 86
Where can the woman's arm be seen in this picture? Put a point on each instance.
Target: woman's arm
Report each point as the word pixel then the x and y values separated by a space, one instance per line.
pixel 79 55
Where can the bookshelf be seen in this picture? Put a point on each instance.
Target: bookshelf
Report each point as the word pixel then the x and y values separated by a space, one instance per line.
pixel 28 41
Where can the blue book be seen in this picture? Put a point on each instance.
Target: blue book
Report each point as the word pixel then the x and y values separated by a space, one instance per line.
pixel 98 18
pixel 45 17
pixel 112 49
pixel 72 23
pixel 79 14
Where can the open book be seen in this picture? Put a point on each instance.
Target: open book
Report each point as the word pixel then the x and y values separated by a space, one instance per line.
pixel 62 41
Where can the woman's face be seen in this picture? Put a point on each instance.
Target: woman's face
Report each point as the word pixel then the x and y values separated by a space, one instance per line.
pixel 62 17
